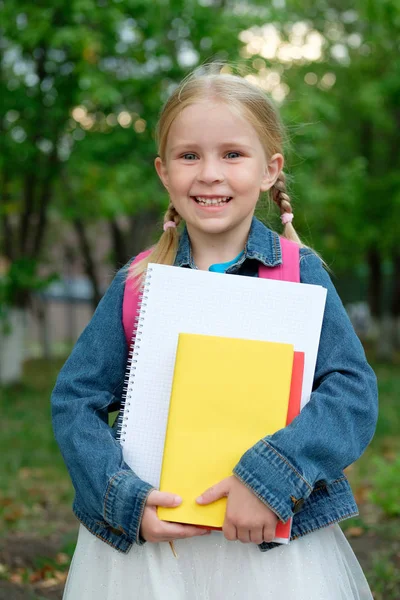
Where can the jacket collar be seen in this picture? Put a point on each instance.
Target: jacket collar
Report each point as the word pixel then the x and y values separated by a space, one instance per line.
pixel 262 245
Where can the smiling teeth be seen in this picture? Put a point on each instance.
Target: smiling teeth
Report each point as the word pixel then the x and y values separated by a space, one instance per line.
pixel 212 201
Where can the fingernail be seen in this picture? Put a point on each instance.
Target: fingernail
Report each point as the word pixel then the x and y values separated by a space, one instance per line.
pixel 177 500
pixel 199 499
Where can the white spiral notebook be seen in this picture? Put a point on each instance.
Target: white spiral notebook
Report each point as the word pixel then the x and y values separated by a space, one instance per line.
pixel 177 300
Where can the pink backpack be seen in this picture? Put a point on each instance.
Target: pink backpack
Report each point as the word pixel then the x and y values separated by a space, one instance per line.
pixel 289 270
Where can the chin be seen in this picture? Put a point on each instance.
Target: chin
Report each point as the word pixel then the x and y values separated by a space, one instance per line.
pixel 215 228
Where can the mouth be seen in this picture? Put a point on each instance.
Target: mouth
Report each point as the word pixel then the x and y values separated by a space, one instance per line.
pixel 214 201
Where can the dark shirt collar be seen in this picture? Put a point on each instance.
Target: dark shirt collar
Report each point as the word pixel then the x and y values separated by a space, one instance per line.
pixel 262 245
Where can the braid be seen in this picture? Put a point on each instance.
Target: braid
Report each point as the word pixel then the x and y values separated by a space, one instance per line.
pixel 282 199
pixel 280 195
pixel 172 215
pixel 164 251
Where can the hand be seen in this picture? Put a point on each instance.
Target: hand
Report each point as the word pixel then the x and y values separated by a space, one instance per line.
pixel 152 529
pixel 246 518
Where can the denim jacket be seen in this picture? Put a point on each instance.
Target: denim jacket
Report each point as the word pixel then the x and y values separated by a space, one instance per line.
pixel 297 471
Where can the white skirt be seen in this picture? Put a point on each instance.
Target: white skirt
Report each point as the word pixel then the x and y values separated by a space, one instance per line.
pixel 318 566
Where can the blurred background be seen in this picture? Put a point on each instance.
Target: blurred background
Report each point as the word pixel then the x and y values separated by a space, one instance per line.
pixel 82 84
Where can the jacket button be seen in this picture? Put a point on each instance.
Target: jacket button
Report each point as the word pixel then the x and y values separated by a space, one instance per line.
pixel 115 531
pixel 298 505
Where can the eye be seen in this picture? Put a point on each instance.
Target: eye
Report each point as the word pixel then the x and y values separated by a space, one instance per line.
pixel 190 155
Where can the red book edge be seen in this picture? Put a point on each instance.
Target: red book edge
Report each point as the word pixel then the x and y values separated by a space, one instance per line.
pixel 283 529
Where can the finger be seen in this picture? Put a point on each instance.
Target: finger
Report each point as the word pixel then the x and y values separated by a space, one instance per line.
pixel 157 498
pixel 155 530
pixel 243 535
pixel 174 531
pixel 268 534
pixel 229 531
pixel 217 491
pixel 256 535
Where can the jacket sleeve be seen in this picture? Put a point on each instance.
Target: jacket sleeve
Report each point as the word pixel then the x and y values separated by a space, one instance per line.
pixel 90 381
pixel 334 427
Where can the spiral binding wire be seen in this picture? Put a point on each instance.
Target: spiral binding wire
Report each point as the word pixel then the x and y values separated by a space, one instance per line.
pixel 132 357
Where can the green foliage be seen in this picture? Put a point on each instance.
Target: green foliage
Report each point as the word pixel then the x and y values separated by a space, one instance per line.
pixel 381 455
pixel 118 61
pixel 384 577
pixel 82 85
pixel 385 481
pixel 348 175
pixel 388 426
pixel 21 276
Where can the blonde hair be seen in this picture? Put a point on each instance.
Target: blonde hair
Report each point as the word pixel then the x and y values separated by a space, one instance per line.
pixel 248 101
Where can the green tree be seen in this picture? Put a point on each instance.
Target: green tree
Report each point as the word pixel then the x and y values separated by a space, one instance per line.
pixel 82 86
pixel 342 110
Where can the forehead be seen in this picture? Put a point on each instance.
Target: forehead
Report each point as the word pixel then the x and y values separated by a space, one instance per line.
pixel 209 123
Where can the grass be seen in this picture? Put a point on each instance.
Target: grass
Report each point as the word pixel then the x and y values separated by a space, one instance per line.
pixel 375 480
pixel 36 493
pixel 33 481
pixel 376 475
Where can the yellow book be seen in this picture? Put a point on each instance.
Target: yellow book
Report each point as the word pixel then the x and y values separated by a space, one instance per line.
pixel 227 394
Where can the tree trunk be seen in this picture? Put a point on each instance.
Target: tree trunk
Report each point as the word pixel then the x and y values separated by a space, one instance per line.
pixel 45 197
pixel 8 243
pixel 12 346
pixel 83 240
pixel 142 229
pixel 26 217
pixel 89 263
pixel 118 244
pixel 384 349
pixel 374 282
pixel 383 324
pixel 395 301
pixel 42 315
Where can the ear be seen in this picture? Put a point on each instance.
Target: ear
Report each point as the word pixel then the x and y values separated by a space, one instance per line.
pixel 162 171
pixel 272 171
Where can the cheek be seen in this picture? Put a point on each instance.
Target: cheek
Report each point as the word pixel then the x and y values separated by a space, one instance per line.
pixel 246 172
pixel 177 176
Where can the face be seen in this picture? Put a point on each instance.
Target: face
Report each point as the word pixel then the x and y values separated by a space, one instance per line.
pixel 215 168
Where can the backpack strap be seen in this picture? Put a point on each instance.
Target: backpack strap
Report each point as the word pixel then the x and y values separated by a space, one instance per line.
pixel 130 303
pixel 289 270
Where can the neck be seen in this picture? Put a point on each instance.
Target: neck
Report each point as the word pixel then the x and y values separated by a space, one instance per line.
pixel 209 249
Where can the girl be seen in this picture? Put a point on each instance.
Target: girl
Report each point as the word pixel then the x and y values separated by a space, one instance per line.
pixel 220 145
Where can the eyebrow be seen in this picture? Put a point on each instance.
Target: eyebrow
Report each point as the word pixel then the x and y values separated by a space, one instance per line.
pixel 232 144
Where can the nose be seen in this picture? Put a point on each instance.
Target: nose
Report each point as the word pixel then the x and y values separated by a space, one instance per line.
pixel 210 171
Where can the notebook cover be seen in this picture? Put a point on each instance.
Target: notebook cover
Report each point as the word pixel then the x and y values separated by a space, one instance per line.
pixel 227 394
